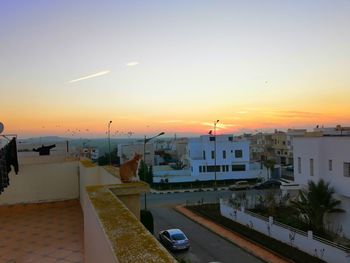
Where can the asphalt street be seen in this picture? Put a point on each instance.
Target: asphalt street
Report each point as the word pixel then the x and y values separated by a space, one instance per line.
pixel 205 245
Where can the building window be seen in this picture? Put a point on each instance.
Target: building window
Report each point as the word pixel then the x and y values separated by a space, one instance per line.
pixel 212 154
pixel 311 167
pixel 347 169
pixel 238 153
pixel 211 168
pixel 284 142
pixel 299 165
pixel 224 154
pixel 211 138
pixel 225 168
pixel 330 165
pixel 191 168
pixel 230 138
pixel 238 167
pixel 200 168
pixel 204 155
pixel 204 169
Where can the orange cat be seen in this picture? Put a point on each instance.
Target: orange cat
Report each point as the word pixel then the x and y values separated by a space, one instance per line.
pixel 128 170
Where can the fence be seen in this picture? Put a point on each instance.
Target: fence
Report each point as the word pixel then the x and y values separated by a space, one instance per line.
pixel 305 241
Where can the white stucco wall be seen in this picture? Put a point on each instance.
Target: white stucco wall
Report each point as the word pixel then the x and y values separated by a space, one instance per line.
pixel 97 247
pixel 323 149
pixel 177 176
pixel 42 182
pixel 301 240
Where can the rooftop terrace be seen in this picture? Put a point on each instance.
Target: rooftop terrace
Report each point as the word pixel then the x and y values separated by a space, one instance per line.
pixel 53 209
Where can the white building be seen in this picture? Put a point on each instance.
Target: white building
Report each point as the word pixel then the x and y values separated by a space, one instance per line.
pixel 127 152
pixel 90 152
pixel 337 130
pixel 232 158
pixel 327 158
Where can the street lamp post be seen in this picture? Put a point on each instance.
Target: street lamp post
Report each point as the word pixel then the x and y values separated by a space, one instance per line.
pixel 109 142
pixel 146 140
pixel 215 123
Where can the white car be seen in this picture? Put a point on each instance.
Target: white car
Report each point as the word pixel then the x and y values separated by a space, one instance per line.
pixel 174 239
pixel 239 185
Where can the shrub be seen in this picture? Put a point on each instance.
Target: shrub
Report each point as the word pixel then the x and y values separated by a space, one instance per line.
pixel 147 220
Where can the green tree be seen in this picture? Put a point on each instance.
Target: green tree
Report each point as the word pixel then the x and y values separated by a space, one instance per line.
pixel 315 203
pixel 104 159
pixel 143 171
pixel 149 178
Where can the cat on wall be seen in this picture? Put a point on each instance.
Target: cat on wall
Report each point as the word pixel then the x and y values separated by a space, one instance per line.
pixel 128 170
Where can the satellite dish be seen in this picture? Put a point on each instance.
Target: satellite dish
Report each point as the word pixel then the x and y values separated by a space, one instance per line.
pixel 1 127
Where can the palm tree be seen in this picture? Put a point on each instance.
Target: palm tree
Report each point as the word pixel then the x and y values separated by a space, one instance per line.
pixel 315 203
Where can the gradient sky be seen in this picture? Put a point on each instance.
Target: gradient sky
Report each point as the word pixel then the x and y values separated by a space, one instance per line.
pixel 68 67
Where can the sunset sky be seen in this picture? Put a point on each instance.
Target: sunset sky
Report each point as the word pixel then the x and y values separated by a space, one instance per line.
pixel 68 67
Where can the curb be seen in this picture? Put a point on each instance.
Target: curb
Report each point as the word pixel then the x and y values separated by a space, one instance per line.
pixel 186 191
pixel 245 244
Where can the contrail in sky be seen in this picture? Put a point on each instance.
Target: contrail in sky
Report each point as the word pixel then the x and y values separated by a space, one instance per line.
pixel 101 73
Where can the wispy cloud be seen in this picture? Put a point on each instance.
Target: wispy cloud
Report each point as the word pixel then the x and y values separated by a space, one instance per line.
pixel 291 114
pixel 98 74
pixel 132 63
pixel 242 112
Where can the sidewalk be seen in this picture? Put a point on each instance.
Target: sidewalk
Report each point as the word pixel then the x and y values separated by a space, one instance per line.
pixel 245 244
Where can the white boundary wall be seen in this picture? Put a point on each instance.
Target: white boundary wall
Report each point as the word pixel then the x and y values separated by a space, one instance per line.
pixel 323 249
pixel 42 182
pixel 179 176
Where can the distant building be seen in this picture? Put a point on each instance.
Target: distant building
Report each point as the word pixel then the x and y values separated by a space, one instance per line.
pixel 232 158
pixel 327 158
pixel 283 145
pixel 127 151
pixel 90 152
pixel 337 130
pixel 261 147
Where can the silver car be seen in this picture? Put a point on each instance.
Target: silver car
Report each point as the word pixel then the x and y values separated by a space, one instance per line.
pixel 174 239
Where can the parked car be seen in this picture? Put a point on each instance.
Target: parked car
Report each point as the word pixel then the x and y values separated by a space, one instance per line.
pixel 174 239
pixel 239 185
pixel 270 184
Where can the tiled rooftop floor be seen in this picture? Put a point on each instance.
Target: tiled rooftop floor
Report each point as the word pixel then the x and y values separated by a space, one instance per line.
pixel 46 232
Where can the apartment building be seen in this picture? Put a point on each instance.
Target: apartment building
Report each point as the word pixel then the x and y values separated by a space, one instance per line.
pixel 261 147
pixel 283 145
pixel 127 151
pixel 327 158
pixel 227 156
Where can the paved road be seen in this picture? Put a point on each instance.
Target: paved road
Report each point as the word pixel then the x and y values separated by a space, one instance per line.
pixel 205 246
